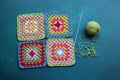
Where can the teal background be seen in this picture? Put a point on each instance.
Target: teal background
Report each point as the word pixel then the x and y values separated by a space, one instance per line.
pixel 104 67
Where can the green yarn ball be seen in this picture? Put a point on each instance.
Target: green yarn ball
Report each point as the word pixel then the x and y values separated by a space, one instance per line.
pixel 92 28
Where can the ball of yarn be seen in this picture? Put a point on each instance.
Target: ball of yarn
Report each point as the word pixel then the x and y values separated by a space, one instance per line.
pixel 92 28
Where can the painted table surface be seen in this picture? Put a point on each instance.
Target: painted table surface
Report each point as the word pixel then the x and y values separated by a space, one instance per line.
pixel 104 67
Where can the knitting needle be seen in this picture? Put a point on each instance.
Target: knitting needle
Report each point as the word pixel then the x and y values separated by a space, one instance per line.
pixel 78 26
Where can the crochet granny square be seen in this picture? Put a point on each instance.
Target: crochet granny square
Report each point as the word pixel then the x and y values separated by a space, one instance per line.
pixel 60 52
pixel 30 27
pixel 31 54
pixel 58 25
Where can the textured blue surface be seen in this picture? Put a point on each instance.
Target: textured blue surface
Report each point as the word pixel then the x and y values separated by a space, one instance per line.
pixel 104 67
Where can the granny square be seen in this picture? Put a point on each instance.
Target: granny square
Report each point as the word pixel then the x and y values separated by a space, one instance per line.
pixel 30 27
pixel 31 54
pixel 58 25
pixel 60 52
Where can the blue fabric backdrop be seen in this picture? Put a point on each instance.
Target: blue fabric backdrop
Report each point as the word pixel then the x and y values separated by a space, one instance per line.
pixel 104 67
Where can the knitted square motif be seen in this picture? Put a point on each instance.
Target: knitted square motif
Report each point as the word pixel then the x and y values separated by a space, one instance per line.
pixel 31 54
pixel 58 25
pixel 60 52
pixel 30 27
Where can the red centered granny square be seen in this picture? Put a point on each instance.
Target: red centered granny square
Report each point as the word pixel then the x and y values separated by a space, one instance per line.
pixel 31 54
pixel 58 25
pixel 60 52
pixel 30 27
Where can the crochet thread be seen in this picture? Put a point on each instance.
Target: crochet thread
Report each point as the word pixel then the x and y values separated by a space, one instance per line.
pixel 86 48
pixel 92 28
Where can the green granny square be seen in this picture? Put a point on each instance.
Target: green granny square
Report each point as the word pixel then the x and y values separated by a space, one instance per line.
pixel 30 27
